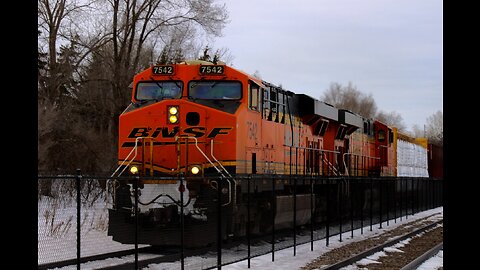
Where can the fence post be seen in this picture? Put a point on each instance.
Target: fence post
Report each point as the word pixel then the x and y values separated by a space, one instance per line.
pixel 351 192
pixel 413 196
pixel 406 198
pixel 312 219
pixel 182 223
pixel 439 191
pixel 77 186
pixel 417 194
pixel 219 223
pixel 295 216
pixel 274 206
pixel 248 218
pixel 327 206
pixel 388 201
pixel 432 205
pixel 340 202
pixel 380 184
pixel 371 203
pixel 397 181
pixel 135 189
pixel 362 184
pixel 425 194
pixel 394 200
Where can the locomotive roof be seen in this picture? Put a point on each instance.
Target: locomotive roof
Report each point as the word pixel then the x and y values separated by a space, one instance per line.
pixel 309 105
pixel 350 118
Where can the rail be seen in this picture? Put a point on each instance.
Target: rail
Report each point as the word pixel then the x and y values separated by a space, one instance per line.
pixel 380 247
pixel 425 256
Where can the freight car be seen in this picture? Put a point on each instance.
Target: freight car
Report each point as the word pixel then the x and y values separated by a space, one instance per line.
pixel 207 124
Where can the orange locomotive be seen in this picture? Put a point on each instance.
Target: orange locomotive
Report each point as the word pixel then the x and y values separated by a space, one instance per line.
pixel 198 121
pixel 248 125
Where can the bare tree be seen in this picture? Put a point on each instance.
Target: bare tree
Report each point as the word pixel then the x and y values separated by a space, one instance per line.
pixel 86 61
pixel 392 119
pixel 418 131
pixel 52 18
pixel 350 98
pixel 434 128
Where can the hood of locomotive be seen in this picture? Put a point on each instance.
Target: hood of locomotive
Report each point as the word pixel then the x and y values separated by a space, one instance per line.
pixel 177 146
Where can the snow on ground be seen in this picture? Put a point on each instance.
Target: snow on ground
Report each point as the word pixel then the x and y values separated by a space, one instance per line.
pixel 432 263
pixel 57 230
pixel 284 259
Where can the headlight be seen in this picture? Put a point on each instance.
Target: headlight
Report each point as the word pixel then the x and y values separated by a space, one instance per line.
pixel 173 110
pixel 173 119
pixel 133 169
pixel 172 114
pixel 195 170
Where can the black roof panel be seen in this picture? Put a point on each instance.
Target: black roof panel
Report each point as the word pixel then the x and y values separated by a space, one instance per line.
pixel 308 106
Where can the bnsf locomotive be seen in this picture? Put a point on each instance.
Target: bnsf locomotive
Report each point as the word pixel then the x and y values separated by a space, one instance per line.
pixel 208 125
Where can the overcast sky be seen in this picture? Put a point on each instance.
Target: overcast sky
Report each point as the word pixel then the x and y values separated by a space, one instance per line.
pixel 389 48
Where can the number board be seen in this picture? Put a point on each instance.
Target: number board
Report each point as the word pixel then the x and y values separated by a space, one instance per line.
pixel 163 70
pixel 212 70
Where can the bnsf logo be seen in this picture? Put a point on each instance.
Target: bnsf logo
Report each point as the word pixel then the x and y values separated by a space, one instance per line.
pixel 165 132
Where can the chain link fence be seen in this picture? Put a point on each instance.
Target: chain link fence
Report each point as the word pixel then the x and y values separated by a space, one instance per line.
pixel 73 215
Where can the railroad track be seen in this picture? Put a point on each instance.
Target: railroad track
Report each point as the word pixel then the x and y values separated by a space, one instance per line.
pixel 425 256
pixel 412 265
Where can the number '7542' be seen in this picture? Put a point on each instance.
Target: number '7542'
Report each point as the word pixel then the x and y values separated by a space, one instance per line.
pixel 211 69
pixel 162 70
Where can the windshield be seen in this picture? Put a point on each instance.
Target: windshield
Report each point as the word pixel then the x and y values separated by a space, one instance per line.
pixel 159 90
pixel 218 90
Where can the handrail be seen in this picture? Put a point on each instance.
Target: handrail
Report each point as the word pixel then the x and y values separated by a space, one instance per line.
pixel 201 152
pixel 211 153
pixel 334 170
pixel 322 151
pixel 205 156
pixel 229 184
pixel 133 149
pixel 344 164
pixel 315 149
pixel 119 166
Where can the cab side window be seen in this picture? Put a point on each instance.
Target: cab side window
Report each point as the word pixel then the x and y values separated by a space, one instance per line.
pixel 381 135
pixel 254 91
